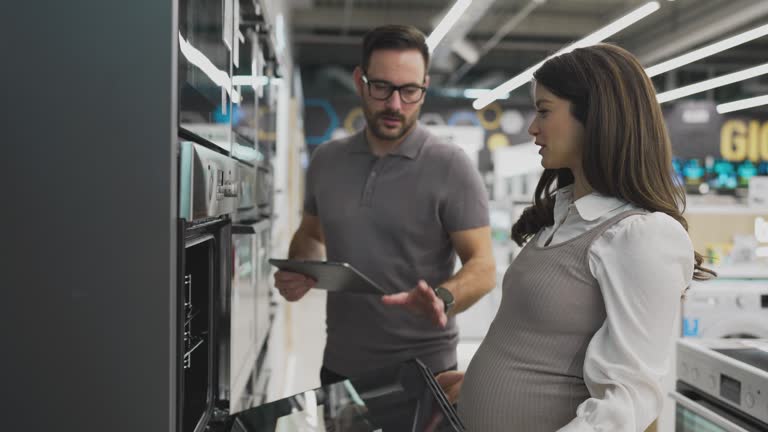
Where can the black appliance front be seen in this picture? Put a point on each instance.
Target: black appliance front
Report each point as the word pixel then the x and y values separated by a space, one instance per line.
pixel 204 262
pixel 695 411
pixel 207 198
pixel 405 397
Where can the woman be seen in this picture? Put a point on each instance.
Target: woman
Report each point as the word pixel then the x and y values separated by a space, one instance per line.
pixel 584 331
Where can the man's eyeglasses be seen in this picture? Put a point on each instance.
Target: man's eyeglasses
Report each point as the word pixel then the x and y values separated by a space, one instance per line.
pixel 382 90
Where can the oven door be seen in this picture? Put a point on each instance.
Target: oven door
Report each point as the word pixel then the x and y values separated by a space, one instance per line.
pixel 204 276
pixel 402 397
pixel 207 31
pixel 696 412
pixel 196 329
pixel 265 189
pixel 250 309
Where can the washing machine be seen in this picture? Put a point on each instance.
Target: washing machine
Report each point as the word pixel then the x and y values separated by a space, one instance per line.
pixel 734 305
pixel 726 308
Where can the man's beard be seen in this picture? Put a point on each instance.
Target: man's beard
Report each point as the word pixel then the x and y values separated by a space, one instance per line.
pixel 388 134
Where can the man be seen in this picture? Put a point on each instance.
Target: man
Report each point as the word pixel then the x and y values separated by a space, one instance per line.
pixel 398 205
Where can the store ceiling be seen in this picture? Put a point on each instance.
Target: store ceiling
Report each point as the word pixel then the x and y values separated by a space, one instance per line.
pixel 327 34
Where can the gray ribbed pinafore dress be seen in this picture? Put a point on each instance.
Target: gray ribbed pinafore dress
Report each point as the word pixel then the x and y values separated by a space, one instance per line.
pixel 527 375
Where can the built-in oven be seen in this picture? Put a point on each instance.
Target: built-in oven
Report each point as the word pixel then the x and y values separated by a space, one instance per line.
pixel 225 197
pixel 252 146
pixel 207 199
pixel 722 385
pixel 250 312
pixel 208 44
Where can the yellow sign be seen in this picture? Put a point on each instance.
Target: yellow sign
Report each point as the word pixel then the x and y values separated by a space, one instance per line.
pixel 740 139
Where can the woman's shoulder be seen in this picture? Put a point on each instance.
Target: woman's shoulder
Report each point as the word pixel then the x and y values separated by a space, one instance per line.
pixel 649 228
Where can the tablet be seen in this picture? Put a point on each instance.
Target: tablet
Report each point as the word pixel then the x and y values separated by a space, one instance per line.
pixel 331 276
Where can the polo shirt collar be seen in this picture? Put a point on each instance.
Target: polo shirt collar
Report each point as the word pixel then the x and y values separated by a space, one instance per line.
pixel 412 144
pixel 409 148
pixel 359 144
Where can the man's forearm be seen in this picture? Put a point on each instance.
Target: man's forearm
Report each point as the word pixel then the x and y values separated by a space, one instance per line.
pixel 306 247
pixel 476 278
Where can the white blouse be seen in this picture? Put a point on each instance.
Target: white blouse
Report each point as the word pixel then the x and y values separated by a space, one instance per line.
pixel 630 354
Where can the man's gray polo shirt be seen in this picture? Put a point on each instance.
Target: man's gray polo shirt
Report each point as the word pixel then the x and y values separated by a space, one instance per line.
pixel 390 218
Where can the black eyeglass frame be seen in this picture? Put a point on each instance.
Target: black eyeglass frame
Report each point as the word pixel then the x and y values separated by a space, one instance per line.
pixel 392 89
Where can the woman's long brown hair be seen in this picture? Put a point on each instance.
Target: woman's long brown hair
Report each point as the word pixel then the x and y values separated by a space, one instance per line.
pixel 627 151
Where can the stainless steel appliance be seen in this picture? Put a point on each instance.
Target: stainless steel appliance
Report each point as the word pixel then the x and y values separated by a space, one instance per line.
pixel 223 54
pixel 722 385
pixel 207 197
pixel 206 52
pixel 265 188
pixel 251 311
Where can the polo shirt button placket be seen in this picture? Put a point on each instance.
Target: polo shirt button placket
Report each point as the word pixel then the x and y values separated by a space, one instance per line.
pixel 368 193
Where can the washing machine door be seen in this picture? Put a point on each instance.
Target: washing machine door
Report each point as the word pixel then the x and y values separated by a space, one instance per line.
pixel 746 326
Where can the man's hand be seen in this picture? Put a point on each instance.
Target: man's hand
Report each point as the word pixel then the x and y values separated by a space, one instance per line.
pixel 293 286
pixel 422 301
pixel 450 382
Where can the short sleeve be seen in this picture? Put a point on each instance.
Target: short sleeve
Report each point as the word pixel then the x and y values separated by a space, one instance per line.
pixel 464 202
pixel 311 181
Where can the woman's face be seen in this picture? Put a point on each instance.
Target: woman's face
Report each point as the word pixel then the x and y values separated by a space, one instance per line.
pixel 556 131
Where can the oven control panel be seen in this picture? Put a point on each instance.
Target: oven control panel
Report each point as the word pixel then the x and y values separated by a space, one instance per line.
pixel 208 183
pixel 734 371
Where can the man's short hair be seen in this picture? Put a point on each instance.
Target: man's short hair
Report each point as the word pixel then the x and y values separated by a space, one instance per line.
pixel 397 37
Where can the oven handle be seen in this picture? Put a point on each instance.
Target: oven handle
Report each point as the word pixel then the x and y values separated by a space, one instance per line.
pixel 250 228
pixel 243 229
pixel 706 413
pixel 197 240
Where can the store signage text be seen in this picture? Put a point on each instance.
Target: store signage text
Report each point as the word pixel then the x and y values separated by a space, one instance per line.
pixel 740 140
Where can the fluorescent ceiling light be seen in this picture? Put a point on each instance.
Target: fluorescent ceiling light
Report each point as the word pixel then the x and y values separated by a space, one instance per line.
pixel 474 93
pixel 218 76
pixel 742 104
pixel 707 51
pixel 251 80
pixel 712 83
pixel 447 22
pixel 599 35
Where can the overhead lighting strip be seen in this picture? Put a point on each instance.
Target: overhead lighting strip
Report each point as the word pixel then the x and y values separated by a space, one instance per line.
pixel 592 39
pixel 254 81
pixel 448 21
pixel 712 83
pixel 742 104
pixel 707 51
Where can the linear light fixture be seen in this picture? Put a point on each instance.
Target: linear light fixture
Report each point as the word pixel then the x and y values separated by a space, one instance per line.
pixel 742 104
pixel 599 35
pixel 218 76
pixel 712 83
pixel 707 51
pixel 474 93
pixel 447 22
pixel 251 80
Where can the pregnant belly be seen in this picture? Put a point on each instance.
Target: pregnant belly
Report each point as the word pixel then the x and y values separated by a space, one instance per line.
pixel 503 394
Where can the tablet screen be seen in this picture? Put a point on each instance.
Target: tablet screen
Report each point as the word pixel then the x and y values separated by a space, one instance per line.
pixel 331 276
